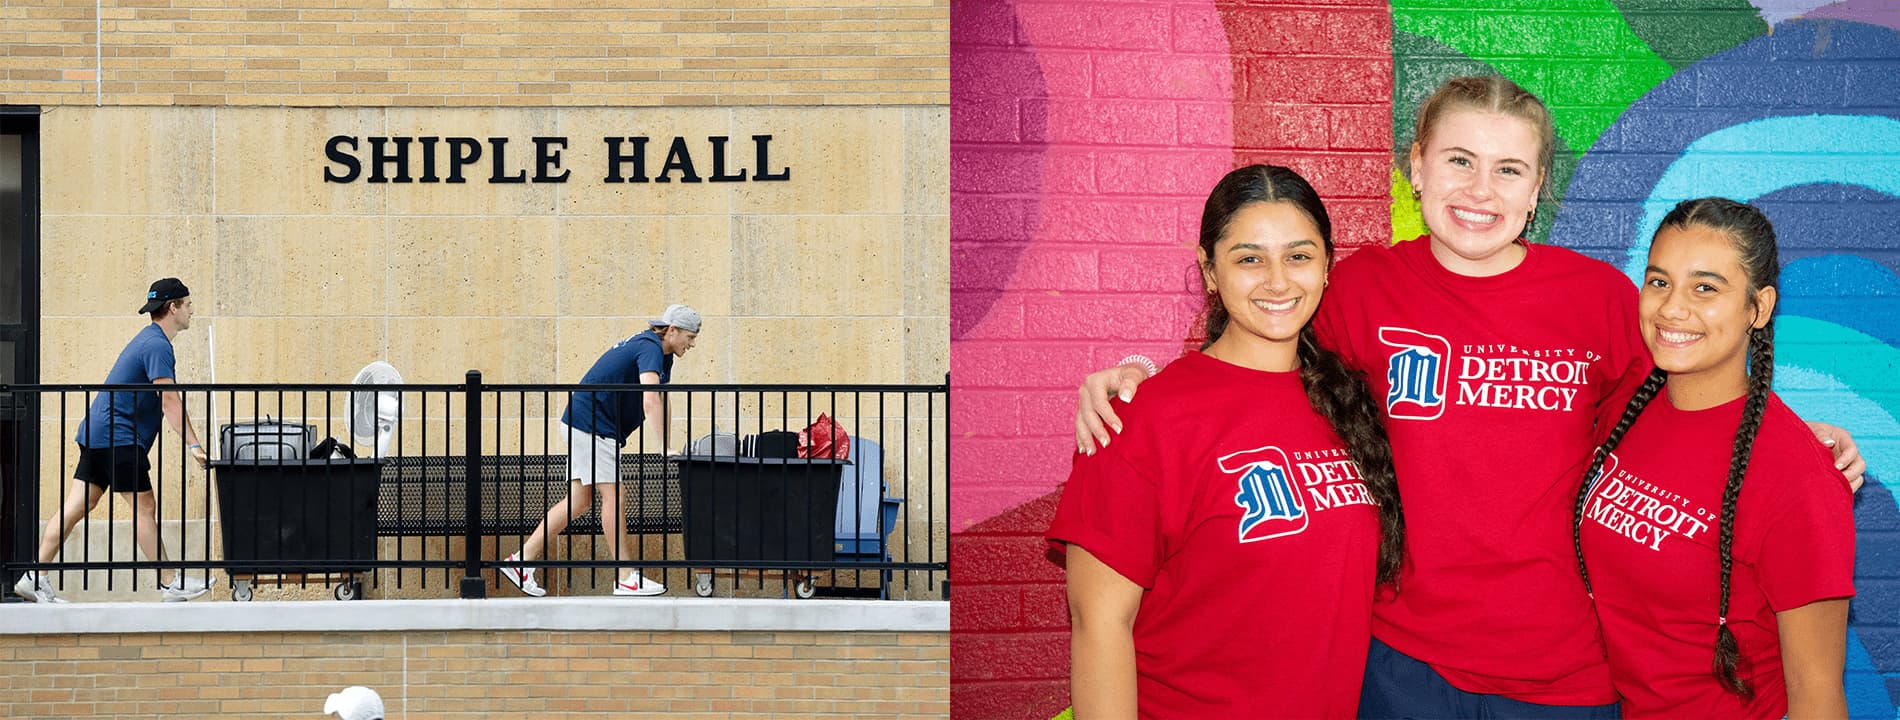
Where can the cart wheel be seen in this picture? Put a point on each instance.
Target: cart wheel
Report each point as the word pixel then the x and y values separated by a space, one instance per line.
pixel 350 590
pixel 241 593
pixel 703 584
pixel 805 588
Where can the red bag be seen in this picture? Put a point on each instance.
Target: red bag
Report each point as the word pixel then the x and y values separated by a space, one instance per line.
pixel 824 439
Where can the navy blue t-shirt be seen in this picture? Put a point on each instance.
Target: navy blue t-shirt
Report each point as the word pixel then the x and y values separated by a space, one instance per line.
pixel 130 418
pixel 618 414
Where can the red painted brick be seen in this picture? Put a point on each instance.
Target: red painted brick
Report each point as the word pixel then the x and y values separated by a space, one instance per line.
pixel 1104 122
pixel 1044 607
pixel 980 118
pixel 1206 124
pixel 1360 127
pixel 1307 80
pixel 1360 223
pixel 980 608
pixel 1094 25
pixel 1186 77
pixel 1276 31
pixel 1339 176
pixel 1116 221
pixel 1180 172
pixel 1274 127
pixel 981 22
pixel 1009 700
pixel 1015 656
pixel 1358 33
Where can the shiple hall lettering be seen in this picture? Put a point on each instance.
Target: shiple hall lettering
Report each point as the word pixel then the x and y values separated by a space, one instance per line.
pixel 433 159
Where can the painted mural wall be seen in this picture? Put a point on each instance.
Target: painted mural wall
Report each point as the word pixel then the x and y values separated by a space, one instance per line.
pixel 1084 136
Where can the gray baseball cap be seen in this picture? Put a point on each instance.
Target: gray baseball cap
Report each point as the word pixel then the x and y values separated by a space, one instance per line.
pixel 679 316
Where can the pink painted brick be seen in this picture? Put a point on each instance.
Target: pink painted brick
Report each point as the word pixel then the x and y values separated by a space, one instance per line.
pixel 1023 268
pixel 1116 221
pixel 975 216
pixel 1205 124
pixel 1186 77
pixel 1157 271
pixel 989 22
pixel 1000 409
pixel 1273 127
pixel 1122 316
pixel 1100 122
pixel 1067 74
pixel 1198 29
pixel 1094 25
pixel 1009 72
pixel 996 169
pixel 1000 364
pixel 1179 172
pixel 978 118
pixel 983 315
pixel 1359 127
pixel 1308 80
pixel 1070 170
pixel 1046 267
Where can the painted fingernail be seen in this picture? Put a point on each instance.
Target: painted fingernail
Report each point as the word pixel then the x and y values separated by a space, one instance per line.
pixel 1126 395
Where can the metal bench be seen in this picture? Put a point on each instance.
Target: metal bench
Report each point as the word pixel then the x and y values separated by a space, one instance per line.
pixel 426 495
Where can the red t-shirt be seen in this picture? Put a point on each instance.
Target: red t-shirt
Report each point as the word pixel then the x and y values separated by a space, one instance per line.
pixel 1650 537
pixel 1492 387
pixel 1239 511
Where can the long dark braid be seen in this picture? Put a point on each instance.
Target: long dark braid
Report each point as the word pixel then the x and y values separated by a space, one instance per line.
pixel 1761 372
pixel 1341 395
pixel 1336 392
pixel 1644 393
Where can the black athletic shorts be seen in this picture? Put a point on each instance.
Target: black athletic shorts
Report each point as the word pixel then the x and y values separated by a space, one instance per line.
pixel 121 468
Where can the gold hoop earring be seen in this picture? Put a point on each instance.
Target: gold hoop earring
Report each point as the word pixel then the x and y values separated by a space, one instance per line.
pixel 1415 193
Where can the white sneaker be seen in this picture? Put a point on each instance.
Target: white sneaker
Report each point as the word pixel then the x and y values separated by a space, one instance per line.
pixel 184 587
pixel 523 578
pixel 33 587
pixel 634 585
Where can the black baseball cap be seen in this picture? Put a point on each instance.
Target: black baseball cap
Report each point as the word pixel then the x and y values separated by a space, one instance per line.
pixel 163 291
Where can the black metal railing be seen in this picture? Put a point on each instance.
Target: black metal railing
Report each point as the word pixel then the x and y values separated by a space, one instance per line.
pixel 451 479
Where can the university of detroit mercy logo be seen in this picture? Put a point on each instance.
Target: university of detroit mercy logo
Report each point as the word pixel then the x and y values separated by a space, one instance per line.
pixel 1416 372
pixel 1271 503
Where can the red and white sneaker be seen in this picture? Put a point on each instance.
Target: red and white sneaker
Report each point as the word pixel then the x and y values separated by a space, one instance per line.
pixel 635 586
pixel 523 578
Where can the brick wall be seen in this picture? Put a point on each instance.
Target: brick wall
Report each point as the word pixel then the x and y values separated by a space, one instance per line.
pixel 1084 137
pixel 475 674
pixel 429 53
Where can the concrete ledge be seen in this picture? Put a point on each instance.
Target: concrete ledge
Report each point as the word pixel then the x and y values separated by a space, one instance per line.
pixel 596 613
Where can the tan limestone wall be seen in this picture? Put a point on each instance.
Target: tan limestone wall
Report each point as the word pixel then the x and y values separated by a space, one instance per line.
pixel 431 53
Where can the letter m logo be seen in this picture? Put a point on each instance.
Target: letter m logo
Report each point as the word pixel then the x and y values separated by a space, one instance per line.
pixel 1270 502
pixel 1416 373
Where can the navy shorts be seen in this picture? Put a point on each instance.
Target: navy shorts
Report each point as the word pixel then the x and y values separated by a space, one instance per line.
pixel 121 468
pixel 1398 686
